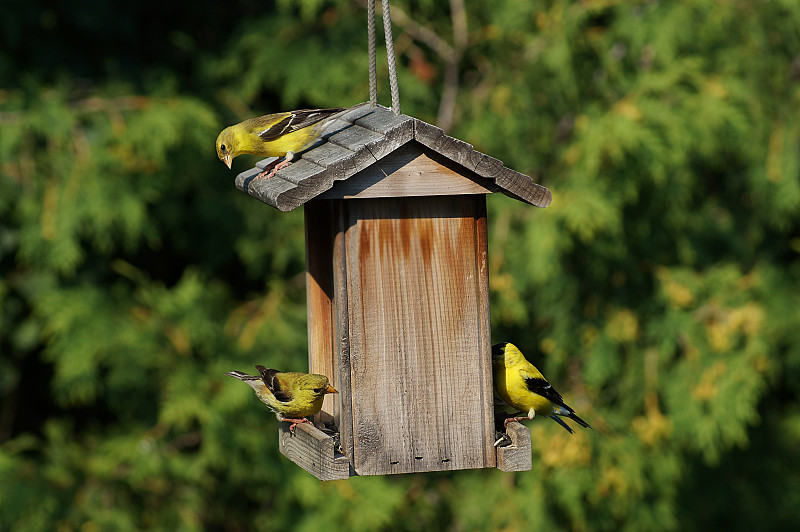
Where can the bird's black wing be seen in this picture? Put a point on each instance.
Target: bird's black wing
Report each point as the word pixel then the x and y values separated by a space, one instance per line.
pixel 546 390
pixel 297 120
pixel 269 376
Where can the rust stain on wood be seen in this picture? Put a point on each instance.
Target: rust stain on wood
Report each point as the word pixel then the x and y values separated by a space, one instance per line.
pixel 416 364
pixel 319 294
pixel 399 316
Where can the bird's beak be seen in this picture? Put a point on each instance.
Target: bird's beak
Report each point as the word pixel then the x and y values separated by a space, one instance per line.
pixel 228 160
pixel 331 389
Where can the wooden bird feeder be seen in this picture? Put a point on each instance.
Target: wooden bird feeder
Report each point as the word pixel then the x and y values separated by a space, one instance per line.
pixel 398 296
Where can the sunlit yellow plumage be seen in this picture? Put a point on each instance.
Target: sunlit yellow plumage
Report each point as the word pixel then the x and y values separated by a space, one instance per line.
pixel 275 135
pixel 292 396
pixel 523 387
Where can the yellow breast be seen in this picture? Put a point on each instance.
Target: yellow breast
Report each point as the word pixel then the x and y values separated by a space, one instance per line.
pixel 511 387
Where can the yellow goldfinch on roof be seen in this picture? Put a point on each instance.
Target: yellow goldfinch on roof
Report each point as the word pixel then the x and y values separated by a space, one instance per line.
pixel 292 396
pixel 523 387
pixel 275 135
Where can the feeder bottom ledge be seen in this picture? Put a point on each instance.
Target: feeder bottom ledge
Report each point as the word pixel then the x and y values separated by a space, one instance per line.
pixel 314 451
pixel 517 456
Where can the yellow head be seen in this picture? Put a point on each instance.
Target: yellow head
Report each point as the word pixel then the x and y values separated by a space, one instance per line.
pixel 227 146
pixel 505 355
pixel 316 385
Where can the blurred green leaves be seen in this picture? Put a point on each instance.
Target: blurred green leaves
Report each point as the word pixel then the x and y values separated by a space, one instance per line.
pixel 658 290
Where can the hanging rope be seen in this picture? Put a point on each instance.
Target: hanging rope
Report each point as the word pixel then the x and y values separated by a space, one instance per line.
pixel 387 31
pixel 373 76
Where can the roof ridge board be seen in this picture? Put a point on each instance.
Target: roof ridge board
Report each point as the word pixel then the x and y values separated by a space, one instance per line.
pixel 454 149
pixel 523 186
pixel 514 184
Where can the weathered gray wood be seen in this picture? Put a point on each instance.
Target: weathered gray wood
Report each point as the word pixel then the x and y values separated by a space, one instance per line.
pixel 488 166
pixel 299 172
pixel 314 451
pixel 343 415
pixel 418 350
pixel 360 110
pixel 266 190
pixel 263 163
pixel 523 187
pixel 517 456
pixel 396 131
pixel 409 171
pixel 328 154
pixel 483 324
pixel 333 126
pixel 244 179
pixel 384 122
pixel 358 138
pixel 452 148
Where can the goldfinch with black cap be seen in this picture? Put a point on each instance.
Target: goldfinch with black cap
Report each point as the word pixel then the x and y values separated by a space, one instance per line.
pixel 523 387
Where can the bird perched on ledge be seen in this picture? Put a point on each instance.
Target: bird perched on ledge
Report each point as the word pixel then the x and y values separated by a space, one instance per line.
pixel 275 135
pixel 292 396
pixel 523 387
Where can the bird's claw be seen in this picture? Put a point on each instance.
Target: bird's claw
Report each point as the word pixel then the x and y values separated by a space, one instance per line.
pixel 296 422
pixel 272 169
pixel 512 420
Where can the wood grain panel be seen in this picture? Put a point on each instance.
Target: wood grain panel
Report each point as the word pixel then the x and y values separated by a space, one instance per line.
pixel 342 341
pixel 419 351
pixel 319 296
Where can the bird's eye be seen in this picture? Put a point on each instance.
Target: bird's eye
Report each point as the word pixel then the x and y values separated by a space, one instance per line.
pixel 317 390
pixel 222 147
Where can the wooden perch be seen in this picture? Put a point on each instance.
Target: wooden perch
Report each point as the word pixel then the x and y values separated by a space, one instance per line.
pixel 314 451
pixel 517 456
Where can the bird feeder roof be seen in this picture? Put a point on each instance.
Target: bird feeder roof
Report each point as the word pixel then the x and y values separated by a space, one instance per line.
pixel 363 135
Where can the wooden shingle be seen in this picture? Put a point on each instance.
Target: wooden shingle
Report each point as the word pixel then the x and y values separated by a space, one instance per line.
pixel 362 136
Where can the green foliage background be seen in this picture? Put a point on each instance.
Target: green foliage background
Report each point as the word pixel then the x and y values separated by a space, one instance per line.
pixel 660 291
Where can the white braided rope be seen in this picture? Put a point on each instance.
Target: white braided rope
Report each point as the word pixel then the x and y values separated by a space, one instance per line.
pixel 373 75
pixel 387 31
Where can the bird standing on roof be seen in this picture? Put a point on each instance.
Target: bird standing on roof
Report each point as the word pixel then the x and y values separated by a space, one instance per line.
pixel 523 387
pixel 275 135
pixel 292 396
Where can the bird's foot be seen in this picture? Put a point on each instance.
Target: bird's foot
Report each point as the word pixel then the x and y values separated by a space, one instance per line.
pixel 515 419
pixel 272 168
pixel 295 422
pixel 283 164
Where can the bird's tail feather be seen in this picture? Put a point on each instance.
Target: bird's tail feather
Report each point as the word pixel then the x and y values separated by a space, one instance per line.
pixel 574 417
pixel 562 423
pixel 242 376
